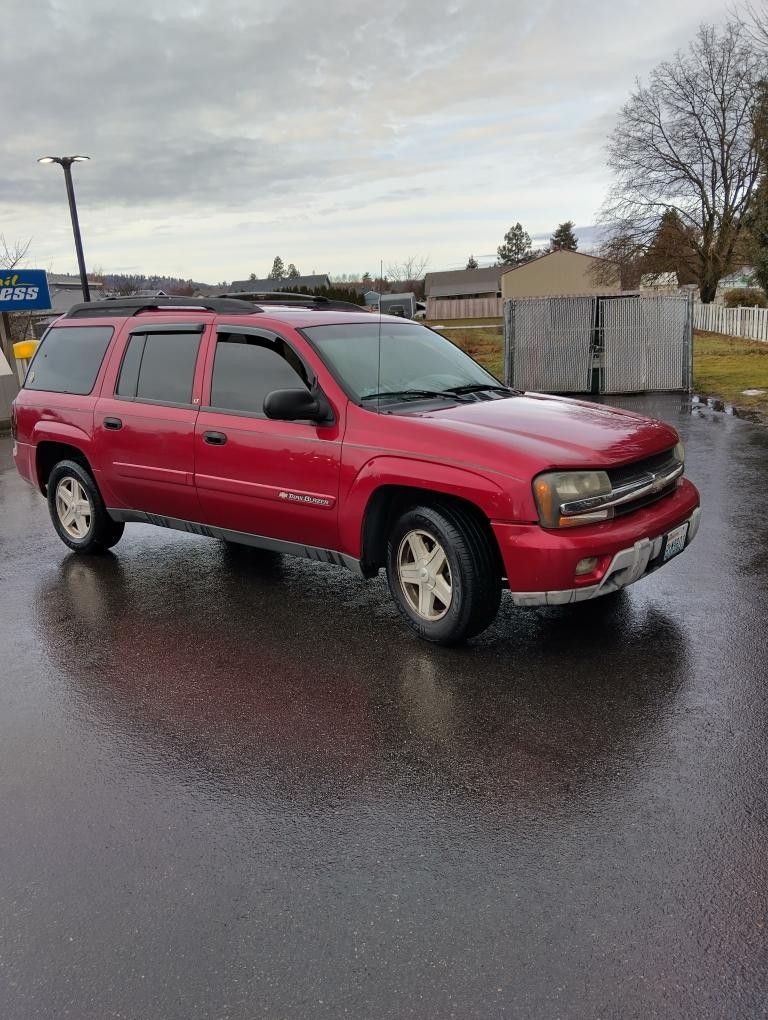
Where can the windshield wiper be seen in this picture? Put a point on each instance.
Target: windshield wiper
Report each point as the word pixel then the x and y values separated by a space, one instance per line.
pixel 402 394
pixel 479 388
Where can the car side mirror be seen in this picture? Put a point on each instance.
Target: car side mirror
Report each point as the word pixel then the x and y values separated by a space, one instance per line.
pixel 296 405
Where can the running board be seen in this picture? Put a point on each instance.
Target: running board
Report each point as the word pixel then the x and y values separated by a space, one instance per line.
pixel 309 552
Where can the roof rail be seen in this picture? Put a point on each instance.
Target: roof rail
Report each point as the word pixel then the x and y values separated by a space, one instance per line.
pixel 129 306
pixel 286 297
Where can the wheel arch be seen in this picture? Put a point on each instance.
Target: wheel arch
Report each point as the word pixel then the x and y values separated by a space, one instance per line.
pixel 55 441
pixel 49 452
pixel 388 501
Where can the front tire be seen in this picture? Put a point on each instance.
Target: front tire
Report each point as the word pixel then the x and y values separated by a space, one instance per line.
pixel 77 510
pixel 443 573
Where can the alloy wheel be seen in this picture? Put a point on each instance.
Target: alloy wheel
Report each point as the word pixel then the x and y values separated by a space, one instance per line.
pixel 425 575
pixel 73 507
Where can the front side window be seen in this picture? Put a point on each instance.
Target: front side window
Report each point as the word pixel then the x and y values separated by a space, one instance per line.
pixel 68 359
pixel 397 360
pixel 247 367
pixel 159 367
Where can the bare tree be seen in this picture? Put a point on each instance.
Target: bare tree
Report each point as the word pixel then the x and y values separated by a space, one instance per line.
pixel 13 254
pixel 410 270
pixel 15 325
pixel 754 18
pixel 124 286
pixel 686 142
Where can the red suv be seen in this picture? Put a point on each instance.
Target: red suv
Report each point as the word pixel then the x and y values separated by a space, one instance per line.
pixel 316 429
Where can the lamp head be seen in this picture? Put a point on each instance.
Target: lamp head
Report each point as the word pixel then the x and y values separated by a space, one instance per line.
pixel 63 160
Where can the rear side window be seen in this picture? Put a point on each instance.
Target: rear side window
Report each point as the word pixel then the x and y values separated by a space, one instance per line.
pixel 159 367
pixel 246 368
pixel 68 359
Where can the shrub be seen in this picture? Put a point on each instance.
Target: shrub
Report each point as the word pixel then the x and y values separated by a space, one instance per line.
pixel 745 297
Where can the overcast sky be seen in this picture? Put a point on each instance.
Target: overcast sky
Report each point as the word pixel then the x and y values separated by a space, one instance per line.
pixel 333 133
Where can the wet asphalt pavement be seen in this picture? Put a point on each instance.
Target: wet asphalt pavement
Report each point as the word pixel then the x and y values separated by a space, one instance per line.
pixel 234 786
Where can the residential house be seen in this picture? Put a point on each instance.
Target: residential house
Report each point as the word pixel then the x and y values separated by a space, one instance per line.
pixel 464 283
pixel 659 283
pixel 464 293
pixel 744 277
pixel 561 273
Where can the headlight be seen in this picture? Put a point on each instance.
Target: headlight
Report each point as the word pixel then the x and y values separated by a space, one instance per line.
pixel 554 492
pixel 679 453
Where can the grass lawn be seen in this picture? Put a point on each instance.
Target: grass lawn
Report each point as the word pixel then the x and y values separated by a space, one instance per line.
pixel 722 366
pixel 485 344
pixel 466 322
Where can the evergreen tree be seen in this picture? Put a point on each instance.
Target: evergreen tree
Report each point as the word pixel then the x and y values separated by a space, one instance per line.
pixel 564 238
pixel 253 277
pixel 472 262
pixel 757 224
pixel 672 250
pixel 278 269
pixel 516 248
pixel 756 219
pixel 291 272
pixel 367 280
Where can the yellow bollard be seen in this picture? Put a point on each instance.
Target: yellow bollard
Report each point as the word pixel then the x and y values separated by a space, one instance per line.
pixel 23 351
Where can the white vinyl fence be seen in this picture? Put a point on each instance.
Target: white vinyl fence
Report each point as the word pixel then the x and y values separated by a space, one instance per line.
pixel 750 323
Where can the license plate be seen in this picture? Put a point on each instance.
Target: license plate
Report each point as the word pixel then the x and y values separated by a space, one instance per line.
pixel 675 541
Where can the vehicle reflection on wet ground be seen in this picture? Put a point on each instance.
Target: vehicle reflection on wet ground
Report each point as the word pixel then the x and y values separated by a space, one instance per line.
pixel 234 785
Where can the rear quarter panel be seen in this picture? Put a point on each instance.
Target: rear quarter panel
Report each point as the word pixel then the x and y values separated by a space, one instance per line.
pixel 55 417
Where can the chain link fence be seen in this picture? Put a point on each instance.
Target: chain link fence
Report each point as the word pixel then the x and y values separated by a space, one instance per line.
pixel 617 343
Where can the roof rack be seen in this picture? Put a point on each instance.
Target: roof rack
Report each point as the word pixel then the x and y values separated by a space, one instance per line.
pixel 134 305
pixel 285 297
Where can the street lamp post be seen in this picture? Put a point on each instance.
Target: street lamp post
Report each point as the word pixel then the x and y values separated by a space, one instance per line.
pixel 65 162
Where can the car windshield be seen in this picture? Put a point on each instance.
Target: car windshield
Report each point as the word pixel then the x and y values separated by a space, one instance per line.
pixel 413 362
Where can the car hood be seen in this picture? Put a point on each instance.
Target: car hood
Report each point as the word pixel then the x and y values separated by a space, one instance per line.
pixel 558 432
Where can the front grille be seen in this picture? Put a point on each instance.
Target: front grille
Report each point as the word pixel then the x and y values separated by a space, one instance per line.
pixel 659 464
pixel 653 497
pixel 630 472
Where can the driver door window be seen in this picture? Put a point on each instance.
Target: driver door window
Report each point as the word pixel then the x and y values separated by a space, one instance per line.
pixel 247 367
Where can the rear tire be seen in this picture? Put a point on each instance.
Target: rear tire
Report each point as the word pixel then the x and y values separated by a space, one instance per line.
pixel 443 573
pixel 77 510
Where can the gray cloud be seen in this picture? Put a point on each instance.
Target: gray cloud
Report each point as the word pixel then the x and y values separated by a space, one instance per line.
pixel 283 112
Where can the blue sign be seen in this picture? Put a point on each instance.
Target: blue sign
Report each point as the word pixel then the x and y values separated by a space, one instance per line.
pixel 24 290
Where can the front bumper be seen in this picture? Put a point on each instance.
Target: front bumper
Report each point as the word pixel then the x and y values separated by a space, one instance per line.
pixel 540 564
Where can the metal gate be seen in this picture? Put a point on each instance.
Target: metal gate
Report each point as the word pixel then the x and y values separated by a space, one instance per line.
pixel 604 343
